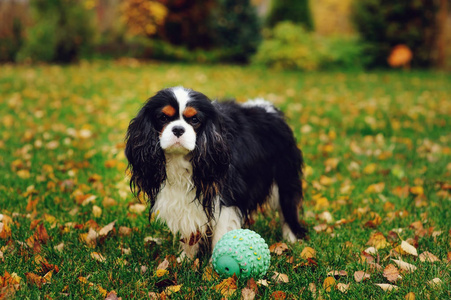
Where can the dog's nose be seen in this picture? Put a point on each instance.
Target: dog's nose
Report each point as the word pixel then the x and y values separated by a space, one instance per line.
pixel 178 131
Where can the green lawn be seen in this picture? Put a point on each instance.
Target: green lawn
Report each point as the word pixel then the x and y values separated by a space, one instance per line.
pixel 377 148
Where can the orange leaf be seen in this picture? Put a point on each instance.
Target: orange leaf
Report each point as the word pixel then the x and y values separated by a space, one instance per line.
pixel 391 273
pixel 34 279
pixel 227 287
pixel 278 248
pixel 278 295
pixel 5 231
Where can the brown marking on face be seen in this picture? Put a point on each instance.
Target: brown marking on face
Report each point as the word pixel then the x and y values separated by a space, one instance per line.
pixel 190 112
pixel 168 110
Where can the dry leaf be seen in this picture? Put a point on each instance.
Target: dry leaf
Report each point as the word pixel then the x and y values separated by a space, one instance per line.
pixel 312 289
pixel 428 256
pixel 436 282
pixel 326 216
pixel 387 287
pixel 34 279
pixel 96 211
pixel 408 248
pixel 125 231
pixel 209 274
pixel 343 287
pixel 227 287
pixel 278 295
pixel 172 289
pixel 280 278
pixel 278 248
pixel 5 231
pixel 320 227
pixel 97 256
pixel 391 273
pixel 360 276
pixel 337 273
pixel 107 229
pixel 308 252
pixel 263 282
pixel 404 266
pixel 137 208
pixel 409 296
pixel 378 241
pixel 112 296
pixel 371 250
pixel 161 272
pixel 163 265
pixel 328 283
pixel 247 294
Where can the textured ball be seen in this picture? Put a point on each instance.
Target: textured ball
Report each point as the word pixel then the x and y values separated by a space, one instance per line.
pixel 243 252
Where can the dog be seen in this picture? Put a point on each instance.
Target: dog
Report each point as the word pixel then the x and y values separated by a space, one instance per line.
pixel 205 165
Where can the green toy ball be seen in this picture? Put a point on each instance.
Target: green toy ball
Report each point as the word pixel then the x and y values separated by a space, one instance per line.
pixel 242 252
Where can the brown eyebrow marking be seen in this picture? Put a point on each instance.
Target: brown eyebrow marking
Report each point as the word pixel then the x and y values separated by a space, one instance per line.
pixel 189 112
pixel 168 110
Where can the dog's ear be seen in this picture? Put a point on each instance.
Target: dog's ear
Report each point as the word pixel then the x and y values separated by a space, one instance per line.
pixel 211 160
pixel 146 160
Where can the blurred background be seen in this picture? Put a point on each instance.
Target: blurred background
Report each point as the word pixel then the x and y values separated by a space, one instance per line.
pixel 284 34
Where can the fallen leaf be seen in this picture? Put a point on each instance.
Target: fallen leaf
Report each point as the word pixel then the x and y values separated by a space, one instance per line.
pixel 378 241
pixel 125 231
pixel 391 273
pixel 280 278
pixel 112 296
pixel 404 265
pixel 263 282
pixel 320 227
pixel 97 256
pixel 278 248
pixel 408 248
pixel 227 287
pixel 308 252
pixel 161 272
pixel 278 295
pixel 312 289
pixel 371 250
pixel 172 289
pixel 337 273
pixel 163 265
pixel 137 208
pixel 209 274
pixel 96 211
pixel 436 282
pixel 34 279
pixel 328 283
pixel 342 287
pixel 387 287
pixel 428 257
pixel 5 231
pixel 360 276
pixel 409 296
pixel 247 294
pixel 375 188
pixel 326 216
pixel 107 229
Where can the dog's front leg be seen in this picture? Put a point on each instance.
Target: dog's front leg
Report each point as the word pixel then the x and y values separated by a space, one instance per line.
pixel 229 219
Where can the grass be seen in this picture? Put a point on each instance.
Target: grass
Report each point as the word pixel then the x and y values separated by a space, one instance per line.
pixel 377 152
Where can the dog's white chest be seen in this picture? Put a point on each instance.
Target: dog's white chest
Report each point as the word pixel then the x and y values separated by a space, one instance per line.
pixel 176 204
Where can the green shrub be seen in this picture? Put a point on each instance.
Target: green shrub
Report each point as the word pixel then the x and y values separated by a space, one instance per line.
pixel 383 24
pixel 296 11
pixel 11 44
pixel 290 46
pixel 235 29
pixel 62 31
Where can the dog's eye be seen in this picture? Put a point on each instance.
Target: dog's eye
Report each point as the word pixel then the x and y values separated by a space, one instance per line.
pixel 194 121
pixel 163 118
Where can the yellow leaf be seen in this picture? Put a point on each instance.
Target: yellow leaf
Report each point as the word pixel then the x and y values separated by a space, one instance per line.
pixel 96 211
pixel 24 174
pixel 321 203
pixel 328 283
pixel 97 256
pixel 161 272
pixel 409 296
pixel 378 241
pixel 376 188
pixel 172 289
pixel 227 287
pixel 369 169
pixel 308 252
pixel 5 231
pixel 417 190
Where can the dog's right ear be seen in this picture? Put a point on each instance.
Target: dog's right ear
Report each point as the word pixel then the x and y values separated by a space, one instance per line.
pixel 146 160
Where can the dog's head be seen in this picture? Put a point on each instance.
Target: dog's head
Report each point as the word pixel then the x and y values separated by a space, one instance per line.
pixel 177 121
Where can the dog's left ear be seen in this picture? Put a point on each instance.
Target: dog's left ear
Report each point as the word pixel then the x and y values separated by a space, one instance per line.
pixel 211 160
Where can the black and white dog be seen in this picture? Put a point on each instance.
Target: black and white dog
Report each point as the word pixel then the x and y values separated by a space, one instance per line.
pixel 205 166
